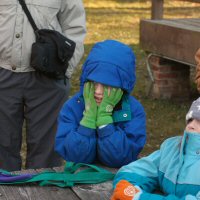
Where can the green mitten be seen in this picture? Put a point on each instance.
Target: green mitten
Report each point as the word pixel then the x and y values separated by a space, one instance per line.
pixel 90 112
pixel 104 113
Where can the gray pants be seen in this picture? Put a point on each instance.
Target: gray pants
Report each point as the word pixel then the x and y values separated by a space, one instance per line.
pixel 37 99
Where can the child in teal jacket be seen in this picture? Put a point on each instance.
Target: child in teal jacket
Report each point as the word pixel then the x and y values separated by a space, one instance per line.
pixel 174 169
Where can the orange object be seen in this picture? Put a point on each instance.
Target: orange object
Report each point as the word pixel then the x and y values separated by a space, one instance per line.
pixel 197 77
pixel 124 191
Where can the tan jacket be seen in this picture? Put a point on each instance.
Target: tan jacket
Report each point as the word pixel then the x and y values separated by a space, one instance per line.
pixel 17 36
pixel 197 78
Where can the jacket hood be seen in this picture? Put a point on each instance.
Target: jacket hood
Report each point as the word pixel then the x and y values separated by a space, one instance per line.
pixel 111 63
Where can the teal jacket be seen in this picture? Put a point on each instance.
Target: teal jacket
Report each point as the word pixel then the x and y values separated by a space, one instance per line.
pixel 174 170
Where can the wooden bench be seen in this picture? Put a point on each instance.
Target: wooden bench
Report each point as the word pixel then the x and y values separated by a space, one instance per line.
pixel 175 40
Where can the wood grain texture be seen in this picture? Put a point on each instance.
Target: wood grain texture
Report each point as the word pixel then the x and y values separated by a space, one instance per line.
pixel 157 9
pixel 176 39
pixel 101 191
pixel 33 191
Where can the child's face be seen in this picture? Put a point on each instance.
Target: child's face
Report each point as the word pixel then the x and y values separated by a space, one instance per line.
pixel 98 92
pixel 193 126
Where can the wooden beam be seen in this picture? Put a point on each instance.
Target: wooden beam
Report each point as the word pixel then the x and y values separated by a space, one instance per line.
pixel 178 40
pixel 157 9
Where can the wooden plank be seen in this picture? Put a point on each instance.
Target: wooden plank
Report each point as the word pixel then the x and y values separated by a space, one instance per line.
pixel 35 192
pixel 102 191
pixel 12 192
pixel 188 24
pixel 177 43
pixel 58 193
pixel 193 23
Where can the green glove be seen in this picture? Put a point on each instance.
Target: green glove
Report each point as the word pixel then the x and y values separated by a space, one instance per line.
pixel 104 113
pixel 90 112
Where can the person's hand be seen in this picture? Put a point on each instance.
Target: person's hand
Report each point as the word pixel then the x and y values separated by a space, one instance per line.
pixel 90 112
pixel 111 97
pixel 125 191
pixel 197 77
pixel 197 56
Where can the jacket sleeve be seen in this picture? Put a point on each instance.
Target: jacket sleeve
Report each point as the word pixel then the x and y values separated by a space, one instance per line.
pixel 145 174
pixel 145 196
pixel 120 143
pixel 74 142
pixel 73 23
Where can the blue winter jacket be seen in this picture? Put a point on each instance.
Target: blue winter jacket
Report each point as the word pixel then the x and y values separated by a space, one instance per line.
pixel 110 63
pixel 174 169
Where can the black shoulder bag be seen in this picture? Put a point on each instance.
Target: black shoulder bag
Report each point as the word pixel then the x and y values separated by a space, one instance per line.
pixel 51 52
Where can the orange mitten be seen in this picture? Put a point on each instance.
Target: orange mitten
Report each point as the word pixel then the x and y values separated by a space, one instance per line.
pixel 125 191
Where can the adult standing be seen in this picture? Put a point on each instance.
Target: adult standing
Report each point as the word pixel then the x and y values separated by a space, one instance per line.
pixel 27 94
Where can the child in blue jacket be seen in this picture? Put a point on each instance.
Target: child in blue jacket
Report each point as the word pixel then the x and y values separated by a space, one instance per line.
pixel 103 122
pixel 174 169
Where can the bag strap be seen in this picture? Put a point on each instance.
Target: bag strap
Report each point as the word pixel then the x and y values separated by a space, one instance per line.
pixel 73 173
pixel 28 14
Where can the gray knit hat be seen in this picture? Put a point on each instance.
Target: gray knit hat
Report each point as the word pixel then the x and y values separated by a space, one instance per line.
pixel 194 112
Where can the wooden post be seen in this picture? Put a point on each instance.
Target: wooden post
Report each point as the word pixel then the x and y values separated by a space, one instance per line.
pixel 157 9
